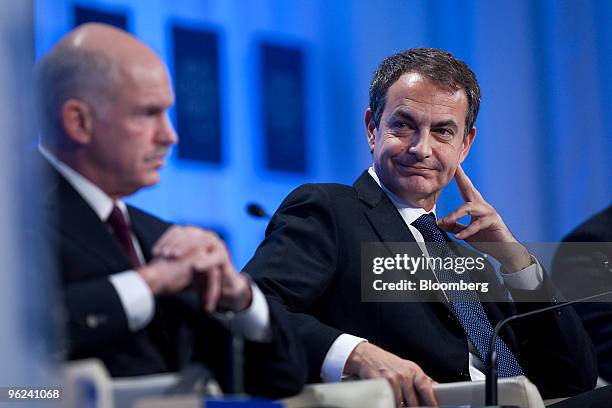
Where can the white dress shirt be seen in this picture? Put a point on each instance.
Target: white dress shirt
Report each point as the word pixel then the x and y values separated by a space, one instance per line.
pixel 529 278
pixel 134 293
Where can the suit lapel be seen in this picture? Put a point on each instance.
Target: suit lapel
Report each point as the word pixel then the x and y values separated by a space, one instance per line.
pixel 79 223
pixel 382 214
pixel 386 219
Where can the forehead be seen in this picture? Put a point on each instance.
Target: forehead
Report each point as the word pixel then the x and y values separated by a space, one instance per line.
pixel 422 96
pixel 146 83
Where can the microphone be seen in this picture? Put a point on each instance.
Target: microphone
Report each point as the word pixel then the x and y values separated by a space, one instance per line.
pixel 491 365
pixel 256 210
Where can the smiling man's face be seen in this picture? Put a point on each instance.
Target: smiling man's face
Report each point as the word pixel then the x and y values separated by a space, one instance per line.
pixel 420 139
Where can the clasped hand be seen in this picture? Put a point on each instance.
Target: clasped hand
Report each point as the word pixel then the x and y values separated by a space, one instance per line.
pixel 187 255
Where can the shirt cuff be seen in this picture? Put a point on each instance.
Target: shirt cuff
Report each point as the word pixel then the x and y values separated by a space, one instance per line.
pixel 530 278
pixel 335 359
pixel 254 322
pixel 476 368
pixel 136 298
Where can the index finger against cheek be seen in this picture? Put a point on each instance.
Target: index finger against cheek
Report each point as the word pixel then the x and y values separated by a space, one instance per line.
pixel 462 183
pixel 466 187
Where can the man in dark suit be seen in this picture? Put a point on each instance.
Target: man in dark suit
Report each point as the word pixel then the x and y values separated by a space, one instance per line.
pixel 420 127
pixel 583 267
pixel 139 292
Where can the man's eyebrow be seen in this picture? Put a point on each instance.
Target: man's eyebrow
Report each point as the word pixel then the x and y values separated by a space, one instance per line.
pixel 151 108
pixel 403 115
pixel 407 116
pixel 446 123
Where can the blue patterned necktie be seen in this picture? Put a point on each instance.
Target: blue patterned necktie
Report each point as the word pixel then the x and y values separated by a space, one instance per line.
pixel 465 304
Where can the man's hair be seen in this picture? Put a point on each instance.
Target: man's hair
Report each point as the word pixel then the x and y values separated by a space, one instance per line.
pixel 437 65
pixel 65 74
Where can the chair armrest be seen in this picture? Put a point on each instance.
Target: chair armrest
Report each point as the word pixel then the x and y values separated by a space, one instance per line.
pixel 348 394
pixel 517 391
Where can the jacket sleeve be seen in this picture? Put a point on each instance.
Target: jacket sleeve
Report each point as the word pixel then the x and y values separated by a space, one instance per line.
pixel 276 368
pixel 295 263
pixel 94 315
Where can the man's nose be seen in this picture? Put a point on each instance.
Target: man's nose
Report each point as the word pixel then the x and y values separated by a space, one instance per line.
pixel 420 145
pixel 166 134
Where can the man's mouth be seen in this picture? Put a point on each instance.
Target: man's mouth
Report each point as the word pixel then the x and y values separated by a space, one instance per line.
pixel 415 169
pixel 157 157
pixel 156 160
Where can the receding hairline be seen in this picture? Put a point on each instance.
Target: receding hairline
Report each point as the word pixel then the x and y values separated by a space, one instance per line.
pixel 92 63
pixel 73 73
pixel 104 47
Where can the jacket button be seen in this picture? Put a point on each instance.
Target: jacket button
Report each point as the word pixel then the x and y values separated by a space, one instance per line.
pixel 94 321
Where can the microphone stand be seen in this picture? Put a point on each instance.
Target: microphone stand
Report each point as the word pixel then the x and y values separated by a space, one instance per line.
pixel 491 366
pixel 236 363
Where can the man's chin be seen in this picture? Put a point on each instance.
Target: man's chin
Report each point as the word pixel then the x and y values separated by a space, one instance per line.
pixel 417 187
pixel 149 181
pixel 416 184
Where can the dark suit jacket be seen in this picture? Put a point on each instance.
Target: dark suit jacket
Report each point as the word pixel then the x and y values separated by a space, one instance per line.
pixel 579 272
pixel 310 261
pixel 180 332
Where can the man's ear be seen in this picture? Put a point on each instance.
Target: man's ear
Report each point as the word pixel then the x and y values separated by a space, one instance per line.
pixel 370 128
pixel 77 120
pixel 467 143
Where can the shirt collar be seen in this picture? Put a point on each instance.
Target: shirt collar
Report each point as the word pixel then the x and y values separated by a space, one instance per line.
pixel 98 200
pixel 408 212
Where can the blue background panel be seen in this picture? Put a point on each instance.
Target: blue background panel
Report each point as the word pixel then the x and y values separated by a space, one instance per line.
pixel 84 14
pixel 196 81
pixel 283 107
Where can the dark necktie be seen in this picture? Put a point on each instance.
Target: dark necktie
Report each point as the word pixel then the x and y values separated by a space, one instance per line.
pixel 465 304
pixel 123 232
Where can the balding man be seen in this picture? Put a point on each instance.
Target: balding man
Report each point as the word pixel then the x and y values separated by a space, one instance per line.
pixel 129 279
